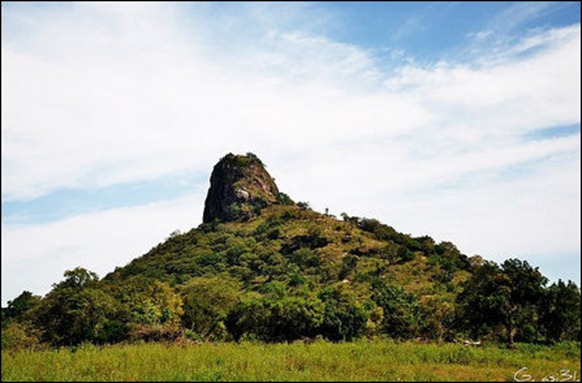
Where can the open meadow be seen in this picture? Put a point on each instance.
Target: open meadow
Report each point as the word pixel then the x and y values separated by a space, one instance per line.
pixel 318 361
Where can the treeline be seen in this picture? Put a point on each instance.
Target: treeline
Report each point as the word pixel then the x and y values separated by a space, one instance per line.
pixel 507 301
pixel 295 274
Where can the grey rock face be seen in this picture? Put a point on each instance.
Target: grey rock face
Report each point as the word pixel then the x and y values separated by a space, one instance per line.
pixel 239 188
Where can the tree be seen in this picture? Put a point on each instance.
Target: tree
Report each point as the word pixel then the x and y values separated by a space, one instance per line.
pixel 477 303
pixel 437 316
pixel 20 305
pixel 75 310
pixel 207 302
pixel 402 315
pixel 293 318
pixel 501 296
pixel 559 311
pixel 249 317
pixel 149 309
pixel 344 318
pixel 77 278
pixel 525 287
pixel 276 317
pixel 150 302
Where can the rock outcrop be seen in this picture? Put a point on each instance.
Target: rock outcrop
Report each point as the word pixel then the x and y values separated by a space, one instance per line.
pixel 239 188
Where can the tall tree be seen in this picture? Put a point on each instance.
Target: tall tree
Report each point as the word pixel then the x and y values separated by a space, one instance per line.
pixel 560 311
pixel 501 296
pixel 76 310
pixel 525 286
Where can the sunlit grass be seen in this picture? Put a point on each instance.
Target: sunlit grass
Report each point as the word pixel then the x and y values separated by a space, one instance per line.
pixel 318 361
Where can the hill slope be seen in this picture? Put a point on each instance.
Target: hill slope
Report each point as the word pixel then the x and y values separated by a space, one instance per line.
pixel 262 240
pixel 264 267
pixel 257 234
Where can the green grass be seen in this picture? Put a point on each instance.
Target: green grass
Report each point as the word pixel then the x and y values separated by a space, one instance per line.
pixel 318 361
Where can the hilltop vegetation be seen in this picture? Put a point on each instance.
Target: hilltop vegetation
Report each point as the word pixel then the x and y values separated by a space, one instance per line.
pixel 262 267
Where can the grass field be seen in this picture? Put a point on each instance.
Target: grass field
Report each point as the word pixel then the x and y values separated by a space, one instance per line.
pixel 318 361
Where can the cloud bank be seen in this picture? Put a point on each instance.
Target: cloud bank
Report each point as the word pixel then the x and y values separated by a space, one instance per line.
pixel 95 95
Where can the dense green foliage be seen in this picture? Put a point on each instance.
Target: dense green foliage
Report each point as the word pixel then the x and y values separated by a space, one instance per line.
pixel 291 273
pixel 318 361
pixel 510 295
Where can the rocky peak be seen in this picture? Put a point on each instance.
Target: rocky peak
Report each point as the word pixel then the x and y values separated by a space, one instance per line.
pixel 239 187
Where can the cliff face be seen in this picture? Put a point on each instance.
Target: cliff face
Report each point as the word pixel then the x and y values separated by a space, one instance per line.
pixel 239 188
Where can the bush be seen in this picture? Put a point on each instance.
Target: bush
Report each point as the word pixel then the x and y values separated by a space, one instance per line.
pixel 155 333
pixel 285 199
pixel 304 205
pixel 114 331
pixel 276 318
pixel 18 336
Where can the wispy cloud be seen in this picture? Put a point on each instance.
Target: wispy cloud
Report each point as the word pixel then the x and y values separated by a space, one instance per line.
pixel 517 28
pixel 97 95
pixel 518 14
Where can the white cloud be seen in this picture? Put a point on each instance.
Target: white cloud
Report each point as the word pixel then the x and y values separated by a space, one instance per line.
pixel 548 83
pixel 130 97
pixel 35 256
pixel 101 94
pixel 482 35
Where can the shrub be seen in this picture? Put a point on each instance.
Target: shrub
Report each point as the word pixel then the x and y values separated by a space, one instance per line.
pixel 285 199
pixel 155 333
pixel 18 336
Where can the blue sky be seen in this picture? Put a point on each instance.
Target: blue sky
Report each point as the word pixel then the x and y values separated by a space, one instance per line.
pixel 456 120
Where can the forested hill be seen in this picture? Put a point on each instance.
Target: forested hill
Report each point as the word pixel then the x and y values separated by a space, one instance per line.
pixel 264 267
